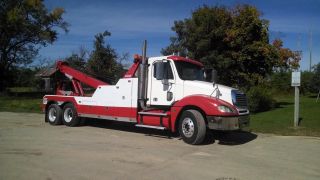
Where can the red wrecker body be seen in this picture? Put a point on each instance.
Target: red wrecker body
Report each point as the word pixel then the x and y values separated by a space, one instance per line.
pixel 166 92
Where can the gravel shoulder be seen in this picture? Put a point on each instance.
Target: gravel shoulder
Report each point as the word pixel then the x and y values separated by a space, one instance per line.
pixel 32 149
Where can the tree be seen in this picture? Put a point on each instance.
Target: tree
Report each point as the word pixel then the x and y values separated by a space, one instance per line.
pixel 25 26
pixel 102 62
pixel 234 41
pixel 78 60
pixel 25 77
pixel 286 58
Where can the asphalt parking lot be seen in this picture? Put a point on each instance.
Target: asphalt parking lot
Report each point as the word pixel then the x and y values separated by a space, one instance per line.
pixel 32 149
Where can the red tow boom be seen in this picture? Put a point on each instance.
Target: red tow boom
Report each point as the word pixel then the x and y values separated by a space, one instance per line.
pixel 77 78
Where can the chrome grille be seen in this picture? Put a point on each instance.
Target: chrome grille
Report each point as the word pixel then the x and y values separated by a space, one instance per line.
pixel 239 99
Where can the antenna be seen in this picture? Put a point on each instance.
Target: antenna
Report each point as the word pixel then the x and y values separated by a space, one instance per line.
pixel 310 49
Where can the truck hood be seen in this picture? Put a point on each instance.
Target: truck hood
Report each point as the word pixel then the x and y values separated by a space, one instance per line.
pixel 207 88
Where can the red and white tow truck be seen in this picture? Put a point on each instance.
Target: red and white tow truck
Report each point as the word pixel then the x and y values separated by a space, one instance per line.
pixel 166 92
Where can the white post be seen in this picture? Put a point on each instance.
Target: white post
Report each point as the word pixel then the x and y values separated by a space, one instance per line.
pixel 296 106
pixel 295 82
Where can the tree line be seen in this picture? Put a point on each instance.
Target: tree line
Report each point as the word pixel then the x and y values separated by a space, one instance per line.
pixel 233 40
pixel 26 26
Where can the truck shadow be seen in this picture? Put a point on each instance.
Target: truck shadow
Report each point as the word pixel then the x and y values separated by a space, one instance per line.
pixel 219 137
pixel 229 138
pixel 128 127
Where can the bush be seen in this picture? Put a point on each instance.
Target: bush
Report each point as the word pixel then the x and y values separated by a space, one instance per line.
pixel 281 82
pixel 260 99
pixel 306 83
pixel 315 81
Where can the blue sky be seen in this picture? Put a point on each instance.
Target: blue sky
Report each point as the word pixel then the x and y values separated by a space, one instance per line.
pixel 130 22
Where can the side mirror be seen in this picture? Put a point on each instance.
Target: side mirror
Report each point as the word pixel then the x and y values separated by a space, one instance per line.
pixel 214 76
pixel 161 70
pixel 211 75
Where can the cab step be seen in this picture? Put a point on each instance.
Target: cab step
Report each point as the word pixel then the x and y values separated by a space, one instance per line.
pixel 152 113
pixel 153 127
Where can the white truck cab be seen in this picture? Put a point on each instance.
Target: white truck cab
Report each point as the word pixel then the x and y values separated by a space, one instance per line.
pixel 171 78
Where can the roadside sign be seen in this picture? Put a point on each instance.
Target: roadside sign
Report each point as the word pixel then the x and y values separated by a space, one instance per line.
pixel 295 80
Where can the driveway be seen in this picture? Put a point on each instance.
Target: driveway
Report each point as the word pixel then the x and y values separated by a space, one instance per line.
pixel 32 149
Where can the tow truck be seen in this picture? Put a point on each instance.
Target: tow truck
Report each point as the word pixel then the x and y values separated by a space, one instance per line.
pixel 168 93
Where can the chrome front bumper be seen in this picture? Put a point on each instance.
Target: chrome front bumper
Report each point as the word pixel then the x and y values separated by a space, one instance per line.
pixel 228 123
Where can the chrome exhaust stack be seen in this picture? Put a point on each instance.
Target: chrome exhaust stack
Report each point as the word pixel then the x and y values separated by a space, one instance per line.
pixel 142 78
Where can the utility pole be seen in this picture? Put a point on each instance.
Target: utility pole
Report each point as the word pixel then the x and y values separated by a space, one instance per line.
pixel 299 51
pixel 299 42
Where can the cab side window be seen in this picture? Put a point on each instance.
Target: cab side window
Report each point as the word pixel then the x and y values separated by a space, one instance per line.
pixel 162 70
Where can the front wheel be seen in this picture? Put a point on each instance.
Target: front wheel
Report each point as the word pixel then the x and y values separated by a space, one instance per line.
pixel 70 115
pixel 192 127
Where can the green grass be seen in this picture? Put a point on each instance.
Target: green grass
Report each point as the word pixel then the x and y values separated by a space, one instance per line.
pixel 20 104
pixel 21 89
pixel 277 121
pixel 280 120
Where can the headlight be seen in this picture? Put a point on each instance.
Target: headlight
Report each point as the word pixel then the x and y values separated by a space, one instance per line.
pixel 234 96
pixel 224 108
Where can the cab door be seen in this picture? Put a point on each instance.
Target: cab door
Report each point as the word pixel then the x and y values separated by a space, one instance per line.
pixel 162 83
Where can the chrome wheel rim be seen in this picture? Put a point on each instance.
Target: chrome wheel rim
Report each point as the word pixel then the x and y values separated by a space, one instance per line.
pixel 52 114
pixel 68 115
pixel 187 127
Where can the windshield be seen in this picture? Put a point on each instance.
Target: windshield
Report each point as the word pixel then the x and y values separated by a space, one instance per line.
pixel 189 71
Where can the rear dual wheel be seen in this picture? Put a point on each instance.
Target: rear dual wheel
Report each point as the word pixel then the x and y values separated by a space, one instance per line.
pixel 53 114
pixel 70 115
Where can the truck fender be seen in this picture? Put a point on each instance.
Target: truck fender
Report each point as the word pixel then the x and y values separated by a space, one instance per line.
pixel 60 100
pixel 207 105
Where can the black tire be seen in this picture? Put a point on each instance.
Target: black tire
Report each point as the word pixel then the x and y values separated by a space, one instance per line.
pixel 54 115
pixel 70 115
pixel 192 127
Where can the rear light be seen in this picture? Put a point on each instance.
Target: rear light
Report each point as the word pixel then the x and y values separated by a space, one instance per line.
pixel 137 58
pixel 44 101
